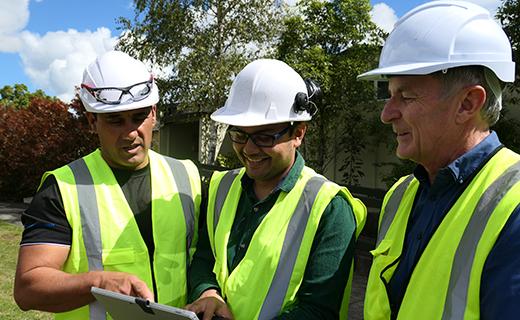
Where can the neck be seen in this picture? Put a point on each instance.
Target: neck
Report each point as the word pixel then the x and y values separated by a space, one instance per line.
pixel 263 188
pixel 468 142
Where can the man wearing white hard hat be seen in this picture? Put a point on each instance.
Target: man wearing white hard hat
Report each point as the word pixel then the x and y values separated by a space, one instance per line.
pixel 280 237
pixel 449 234
pixel 122 218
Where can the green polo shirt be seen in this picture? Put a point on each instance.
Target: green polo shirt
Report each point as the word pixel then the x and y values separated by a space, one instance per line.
pixel 329 262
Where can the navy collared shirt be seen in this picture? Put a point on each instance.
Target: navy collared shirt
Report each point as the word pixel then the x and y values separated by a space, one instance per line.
pixel 500 285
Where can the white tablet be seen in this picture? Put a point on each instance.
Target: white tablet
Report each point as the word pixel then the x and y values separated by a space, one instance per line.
pixel 123 307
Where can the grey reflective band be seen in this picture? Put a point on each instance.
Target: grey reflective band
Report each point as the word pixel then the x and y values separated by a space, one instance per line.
pixel 391 208
pixel 89 225
pixel 291 246
pixel 222 191
pixel 457 295
pixel 182 180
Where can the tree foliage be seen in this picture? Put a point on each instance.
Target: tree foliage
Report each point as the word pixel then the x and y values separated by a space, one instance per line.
pixel 332 42
pixel 200 46
pixel 18 96
pixel 40 136
pixel 205 43
pixel 509 16
pixel 508 127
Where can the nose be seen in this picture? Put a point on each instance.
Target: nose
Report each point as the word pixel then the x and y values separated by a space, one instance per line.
pixel 390 111
pixel 131 130
pixel 250 147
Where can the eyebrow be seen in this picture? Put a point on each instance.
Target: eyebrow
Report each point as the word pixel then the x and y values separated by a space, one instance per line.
pixel 112 116
pixel 271 131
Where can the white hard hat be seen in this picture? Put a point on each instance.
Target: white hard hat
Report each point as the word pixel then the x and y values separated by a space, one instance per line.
pixel 116 82
pixel 440 35
pixel 266 91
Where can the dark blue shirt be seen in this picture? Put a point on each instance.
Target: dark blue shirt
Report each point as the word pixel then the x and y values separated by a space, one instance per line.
pixel 500 286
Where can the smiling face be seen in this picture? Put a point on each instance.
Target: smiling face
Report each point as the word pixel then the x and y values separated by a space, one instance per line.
pixel 423 119
pixel 125 137
pixel 267 165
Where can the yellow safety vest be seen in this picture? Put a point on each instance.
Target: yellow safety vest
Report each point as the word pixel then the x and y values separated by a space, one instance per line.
pixel 267 279
pixel 445 283
pixel 105 235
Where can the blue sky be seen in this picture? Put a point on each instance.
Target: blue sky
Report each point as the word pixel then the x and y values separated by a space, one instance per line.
pixel 46 44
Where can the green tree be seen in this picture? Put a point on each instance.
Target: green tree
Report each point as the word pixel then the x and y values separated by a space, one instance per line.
pixel 508 127
pixel 204 44
pixel 509 16
pixel 18 96
pixel 332 42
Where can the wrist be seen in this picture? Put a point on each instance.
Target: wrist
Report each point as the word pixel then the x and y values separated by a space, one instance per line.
pixel 212 292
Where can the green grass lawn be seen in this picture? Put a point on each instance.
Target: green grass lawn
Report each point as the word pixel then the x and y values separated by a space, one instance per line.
pixel 9 241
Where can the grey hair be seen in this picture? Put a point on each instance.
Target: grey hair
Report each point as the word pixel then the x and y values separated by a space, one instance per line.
pixel 459 77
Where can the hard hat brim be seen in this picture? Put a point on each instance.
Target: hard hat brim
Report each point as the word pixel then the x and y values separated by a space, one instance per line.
pixel 505 71
pixel 241 119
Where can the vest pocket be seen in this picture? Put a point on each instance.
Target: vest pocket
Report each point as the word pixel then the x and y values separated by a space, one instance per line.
pixel 382 259
pixel 118 256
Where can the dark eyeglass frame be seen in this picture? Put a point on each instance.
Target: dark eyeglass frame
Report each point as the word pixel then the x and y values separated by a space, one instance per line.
pixel 255 136
pixel 124 90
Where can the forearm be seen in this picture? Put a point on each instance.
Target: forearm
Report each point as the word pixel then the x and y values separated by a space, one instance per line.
pixel 41 284
pixel 201 279
pixel 52 290
pixel 201 276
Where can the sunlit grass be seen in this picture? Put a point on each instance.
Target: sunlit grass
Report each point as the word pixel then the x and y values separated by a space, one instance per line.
pixel 9 242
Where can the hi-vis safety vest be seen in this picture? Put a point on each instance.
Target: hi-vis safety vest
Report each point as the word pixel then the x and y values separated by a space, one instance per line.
pixel 445 283
pixel 105 235
pixel 267 279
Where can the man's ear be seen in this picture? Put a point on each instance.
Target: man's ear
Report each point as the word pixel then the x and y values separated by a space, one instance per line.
pixel 299 133
pixel 472 101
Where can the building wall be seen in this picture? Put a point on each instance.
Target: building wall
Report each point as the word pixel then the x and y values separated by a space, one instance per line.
pixel 180 140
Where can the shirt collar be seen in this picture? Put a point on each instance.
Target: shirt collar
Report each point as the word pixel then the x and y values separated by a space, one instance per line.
pixel 287 183
pixel 464 166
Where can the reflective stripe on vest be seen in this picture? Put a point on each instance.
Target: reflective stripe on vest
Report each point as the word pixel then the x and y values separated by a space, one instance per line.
pixel 456 297
pixel 225 184
pixel 273 302
pixel 90 216
pixel 459 282
pixel 90 227
pixel 291 246
pixel 188 205
pixel 391 208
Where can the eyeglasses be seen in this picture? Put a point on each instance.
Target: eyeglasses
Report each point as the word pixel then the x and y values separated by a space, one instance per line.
pixel 113 95
pixel 259 139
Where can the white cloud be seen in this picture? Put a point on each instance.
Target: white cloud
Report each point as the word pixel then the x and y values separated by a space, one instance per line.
pixel 56 60
pixel 14 16
pixel 383 16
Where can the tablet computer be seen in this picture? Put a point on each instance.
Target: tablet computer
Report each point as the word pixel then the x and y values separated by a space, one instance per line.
pixel 124 307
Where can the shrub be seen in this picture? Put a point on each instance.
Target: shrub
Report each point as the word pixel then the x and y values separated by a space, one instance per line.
pixel 44 135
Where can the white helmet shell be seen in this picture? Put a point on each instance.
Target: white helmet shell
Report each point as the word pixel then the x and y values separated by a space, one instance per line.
pixel 116 69
pixel 440 35
pixel 263 93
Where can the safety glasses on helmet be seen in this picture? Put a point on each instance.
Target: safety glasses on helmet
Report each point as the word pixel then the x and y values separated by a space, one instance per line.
pixel 259 139
pixel 114 95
